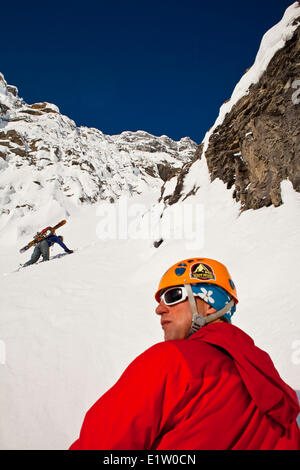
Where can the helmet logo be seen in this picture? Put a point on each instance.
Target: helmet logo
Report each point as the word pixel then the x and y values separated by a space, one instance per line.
pixel 202 271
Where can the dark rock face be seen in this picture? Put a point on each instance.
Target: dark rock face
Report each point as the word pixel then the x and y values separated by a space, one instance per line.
pixel 258 144
pixel 166 171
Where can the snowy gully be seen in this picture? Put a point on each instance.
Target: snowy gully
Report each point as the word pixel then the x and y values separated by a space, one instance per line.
pixel 150 459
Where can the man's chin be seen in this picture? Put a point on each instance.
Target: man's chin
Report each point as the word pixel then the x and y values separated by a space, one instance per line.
pixel 171 335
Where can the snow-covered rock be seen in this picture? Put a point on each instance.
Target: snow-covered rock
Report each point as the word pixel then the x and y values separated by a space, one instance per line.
pixel 254 143
pixel 47 161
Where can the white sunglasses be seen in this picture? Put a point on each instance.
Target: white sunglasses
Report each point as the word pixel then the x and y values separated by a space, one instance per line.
pixel 174 295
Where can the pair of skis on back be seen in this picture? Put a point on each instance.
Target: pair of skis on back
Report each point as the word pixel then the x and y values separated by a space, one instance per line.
pixel 46 232
pixel 42 235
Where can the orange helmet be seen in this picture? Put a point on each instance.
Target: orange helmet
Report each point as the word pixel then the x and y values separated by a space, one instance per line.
pixel 195 271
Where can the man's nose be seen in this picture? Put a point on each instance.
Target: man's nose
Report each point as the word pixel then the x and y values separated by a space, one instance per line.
pixel 161 308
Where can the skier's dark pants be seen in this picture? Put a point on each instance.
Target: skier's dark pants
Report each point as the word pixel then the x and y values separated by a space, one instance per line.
pixel 42 248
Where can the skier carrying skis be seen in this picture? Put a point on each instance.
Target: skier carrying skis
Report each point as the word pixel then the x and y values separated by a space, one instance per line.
pixel 206 387
pixel 43 248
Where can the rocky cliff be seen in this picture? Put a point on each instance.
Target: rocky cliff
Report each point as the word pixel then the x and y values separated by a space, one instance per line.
pixel 255 142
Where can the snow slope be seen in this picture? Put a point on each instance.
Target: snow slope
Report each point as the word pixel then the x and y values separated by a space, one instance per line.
pixel 69 327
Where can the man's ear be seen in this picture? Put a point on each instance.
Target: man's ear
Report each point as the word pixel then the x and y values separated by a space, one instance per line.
pixel 210 310
pixel 203 307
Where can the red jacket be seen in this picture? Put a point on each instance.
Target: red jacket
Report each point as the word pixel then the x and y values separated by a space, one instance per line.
pixel 215 390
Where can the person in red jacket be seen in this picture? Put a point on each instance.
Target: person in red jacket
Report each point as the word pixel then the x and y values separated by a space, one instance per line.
pixel 207 386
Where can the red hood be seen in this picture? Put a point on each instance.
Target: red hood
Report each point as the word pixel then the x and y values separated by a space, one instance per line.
pixel 270 393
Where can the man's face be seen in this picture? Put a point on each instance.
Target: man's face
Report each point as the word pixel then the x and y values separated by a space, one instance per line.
pixel 175 319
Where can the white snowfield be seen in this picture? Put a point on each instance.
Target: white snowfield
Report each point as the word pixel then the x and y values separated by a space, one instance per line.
pixel 70 326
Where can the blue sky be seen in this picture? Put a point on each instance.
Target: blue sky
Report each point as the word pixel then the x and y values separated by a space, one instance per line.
pixel 164 67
